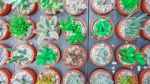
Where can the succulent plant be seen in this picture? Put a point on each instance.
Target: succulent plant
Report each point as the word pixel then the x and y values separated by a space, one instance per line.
pixel 102 27
pixel 1 5
pixel 126 80
pixel 47 28
pixel 146 79
pixel 2 30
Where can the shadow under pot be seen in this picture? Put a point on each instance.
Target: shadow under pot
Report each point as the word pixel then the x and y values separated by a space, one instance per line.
pixel 145 32
pixel 5 76
pixel 49 76
pixel 50 7
pixel 24 76
pixel 146 6
pixel 48 55
pixel 102 28
pixel 128 55
pixel 125 76
pixel 74 56
pixel 74 7
pixel 146 52
pixel 102 6
pixel 4 29
pixel 144 76
pixel 125 7
pixel 22 54
pixel 4 8
pixel 74 77
pixel 101 54
pixel 4 54
pixel 101 76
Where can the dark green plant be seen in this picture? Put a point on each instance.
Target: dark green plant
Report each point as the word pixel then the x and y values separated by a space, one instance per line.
pixel 131 55
pixel 102 27
pixel 71 25
pixel 46 55
pixel 1 5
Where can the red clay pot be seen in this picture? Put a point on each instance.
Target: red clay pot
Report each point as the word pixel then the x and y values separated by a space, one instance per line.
pixel 7 74
pixel 144 49
pixel 6 9
pixel 142 75
pixel 144 7
pixel 143 33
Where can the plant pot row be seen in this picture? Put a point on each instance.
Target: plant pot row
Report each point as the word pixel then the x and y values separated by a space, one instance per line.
pixel 48 76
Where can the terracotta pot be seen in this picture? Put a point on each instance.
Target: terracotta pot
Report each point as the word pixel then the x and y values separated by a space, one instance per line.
pixel 33 54
pixel 100 70
pixel 110 48
pixel 7 54
pixel 117 73
pixel 99 11
pixel 118 57
pixel 77 46
pixel 29 71
pixel 75 14
pixel 6 9
pixel 119 34
pixel 143 33
pixel 77 71
pixel 7 74
pixel 144 7
pixel 142 75
pixel 119 9
pixel 7 33
pixel 105 37
pixel 144 49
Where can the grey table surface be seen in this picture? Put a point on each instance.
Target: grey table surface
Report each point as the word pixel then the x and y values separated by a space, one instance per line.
pixel 88 16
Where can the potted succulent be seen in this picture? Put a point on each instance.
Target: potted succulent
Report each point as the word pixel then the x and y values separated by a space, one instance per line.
pixel 144 76
pixel 145 32
pixel 128 55
pixel 4 54
pixel 74 77
pixel 74 56
pixel 146 6
pixel 22 54
pixel 146 51
pixel 74 29
pixel 102 28
pixel 49 76
pixel 4 29
pixel 125 76
pixel 5 76
pixel 21 27
pixel 48 55
pixel 4 8
pixel 51 7
pixel 128 28
pixel 125 7
pixel 100 76
pixel 74 7
pixel 26 7
pixel 101 54
pixel 47 29
pixel 102 6
pixel 24 76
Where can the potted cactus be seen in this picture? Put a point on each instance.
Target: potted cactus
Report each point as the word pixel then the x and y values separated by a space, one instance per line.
pixel 74 56
pixel 4 8
pixel 128 28
pixel 145 32
pixel 100 76
pixel 74 29
pixel 74 7
pixel 126 7
pixel 51 7
pixel 144 76
pixel 5 76
pixel 26 7
pixel 125 76
pixel 21 27
pixel 102 28
pixel 74 77
pixel 146 6
pixel 146 52
pixel 48 76
pixel 128 55
pixel 102 6
pixel 101 54
pixel 22 54
pixel 24 76
pixel 47 29
pixel 4 54
pixel 48 55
